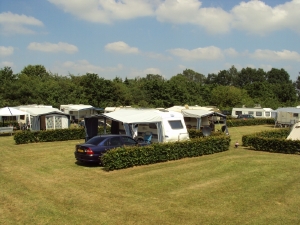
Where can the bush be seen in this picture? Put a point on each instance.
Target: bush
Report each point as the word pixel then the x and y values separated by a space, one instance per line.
pixel 249 122
pixel 126 157
pixel 272 141
pixel 24 137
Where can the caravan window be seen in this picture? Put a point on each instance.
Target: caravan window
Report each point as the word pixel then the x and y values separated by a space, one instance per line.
pixel 295 115
pixel 258 113
pixel 251 112
pixel 176 124
pixel 267 114
pixel 238 112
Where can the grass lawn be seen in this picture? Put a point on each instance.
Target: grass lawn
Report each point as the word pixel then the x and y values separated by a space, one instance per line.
pixel 41 184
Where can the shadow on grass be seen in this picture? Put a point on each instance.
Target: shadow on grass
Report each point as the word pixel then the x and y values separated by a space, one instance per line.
pixel 83 164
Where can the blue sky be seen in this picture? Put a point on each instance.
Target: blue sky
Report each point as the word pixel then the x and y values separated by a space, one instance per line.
pixel 133 38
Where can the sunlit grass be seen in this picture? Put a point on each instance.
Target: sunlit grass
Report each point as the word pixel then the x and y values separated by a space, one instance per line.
pixel 41 184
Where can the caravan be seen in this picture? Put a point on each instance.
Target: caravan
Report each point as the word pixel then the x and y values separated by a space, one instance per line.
pixel 78 112
pixel 256 112
pixel 286 117
pixel 164 126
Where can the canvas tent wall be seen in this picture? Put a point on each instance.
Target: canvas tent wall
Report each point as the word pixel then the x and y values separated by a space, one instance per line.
pixel 295 132
pixel 287 116
pixel 164 122
pixel 47 118
pixel 25 119
pixel 202 116
pixel 198 118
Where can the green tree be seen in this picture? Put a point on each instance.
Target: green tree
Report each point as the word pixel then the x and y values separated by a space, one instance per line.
pixel 229 96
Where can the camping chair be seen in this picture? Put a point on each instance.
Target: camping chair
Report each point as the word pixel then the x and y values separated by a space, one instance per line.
pixel 148 137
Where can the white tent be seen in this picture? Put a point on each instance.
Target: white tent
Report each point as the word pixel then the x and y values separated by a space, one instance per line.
pixel 295 132
pixel 7 111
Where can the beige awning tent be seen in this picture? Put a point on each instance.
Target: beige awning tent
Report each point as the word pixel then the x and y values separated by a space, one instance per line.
pixel 295 132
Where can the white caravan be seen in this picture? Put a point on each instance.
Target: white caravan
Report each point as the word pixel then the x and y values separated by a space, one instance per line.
pixel 257 112
pixel 165 126
pixel 78 112
pixel 286 117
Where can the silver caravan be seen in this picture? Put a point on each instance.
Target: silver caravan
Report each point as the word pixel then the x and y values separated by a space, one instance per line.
pixel 78 112
pixel 286 117
pixel 256 112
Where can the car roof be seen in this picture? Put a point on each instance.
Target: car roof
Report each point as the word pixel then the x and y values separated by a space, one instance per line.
pixel 112 135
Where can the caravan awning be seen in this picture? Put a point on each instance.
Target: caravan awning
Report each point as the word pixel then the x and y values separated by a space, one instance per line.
pixel 135 115
pixel 198 113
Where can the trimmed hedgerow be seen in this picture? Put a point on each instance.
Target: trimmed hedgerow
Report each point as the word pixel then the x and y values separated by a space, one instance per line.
pixel 25 137
pixel 272 141
pixel 126 157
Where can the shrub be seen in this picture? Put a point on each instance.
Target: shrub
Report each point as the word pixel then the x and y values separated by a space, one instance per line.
pixel 272 141
pixel 125 157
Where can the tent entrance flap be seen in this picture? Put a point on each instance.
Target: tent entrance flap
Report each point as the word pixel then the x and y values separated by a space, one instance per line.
pixel 127 129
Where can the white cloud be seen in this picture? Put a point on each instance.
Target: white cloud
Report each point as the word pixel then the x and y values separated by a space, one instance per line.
pixel 106 11
pixel 214 20
pixel 6 51
pixel 270 55
pixel 207 53
pixel 253 16
pixel 50 47
pixel 17 24
pixel 257 17
pixel 121 47
pixel 231 52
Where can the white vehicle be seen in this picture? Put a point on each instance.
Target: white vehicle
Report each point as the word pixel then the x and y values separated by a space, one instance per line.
pixel 256 112
pixel 286 117
pixel 164 126
pixel 78 112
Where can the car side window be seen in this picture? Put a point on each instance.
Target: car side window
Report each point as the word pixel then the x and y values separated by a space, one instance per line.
pixel 114 141
pixel 128 141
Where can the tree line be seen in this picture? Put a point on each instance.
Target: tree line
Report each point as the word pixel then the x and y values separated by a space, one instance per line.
pixel 226 89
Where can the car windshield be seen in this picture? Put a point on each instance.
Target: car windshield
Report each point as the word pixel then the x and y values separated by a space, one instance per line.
pixel 95 140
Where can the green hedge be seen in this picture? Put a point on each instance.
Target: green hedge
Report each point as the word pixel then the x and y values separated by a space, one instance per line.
pixel 249 122
pixel 24 137
pixel 272 141
pixel 126 157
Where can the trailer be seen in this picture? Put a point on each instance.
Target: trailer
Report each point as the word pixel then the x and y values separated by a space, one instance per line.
pixel 256 112
pixel 287 117
pixel 78 112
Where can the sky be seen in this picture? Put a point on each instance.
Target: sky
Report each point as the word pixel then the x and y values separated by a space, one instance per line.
pixel 133 38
